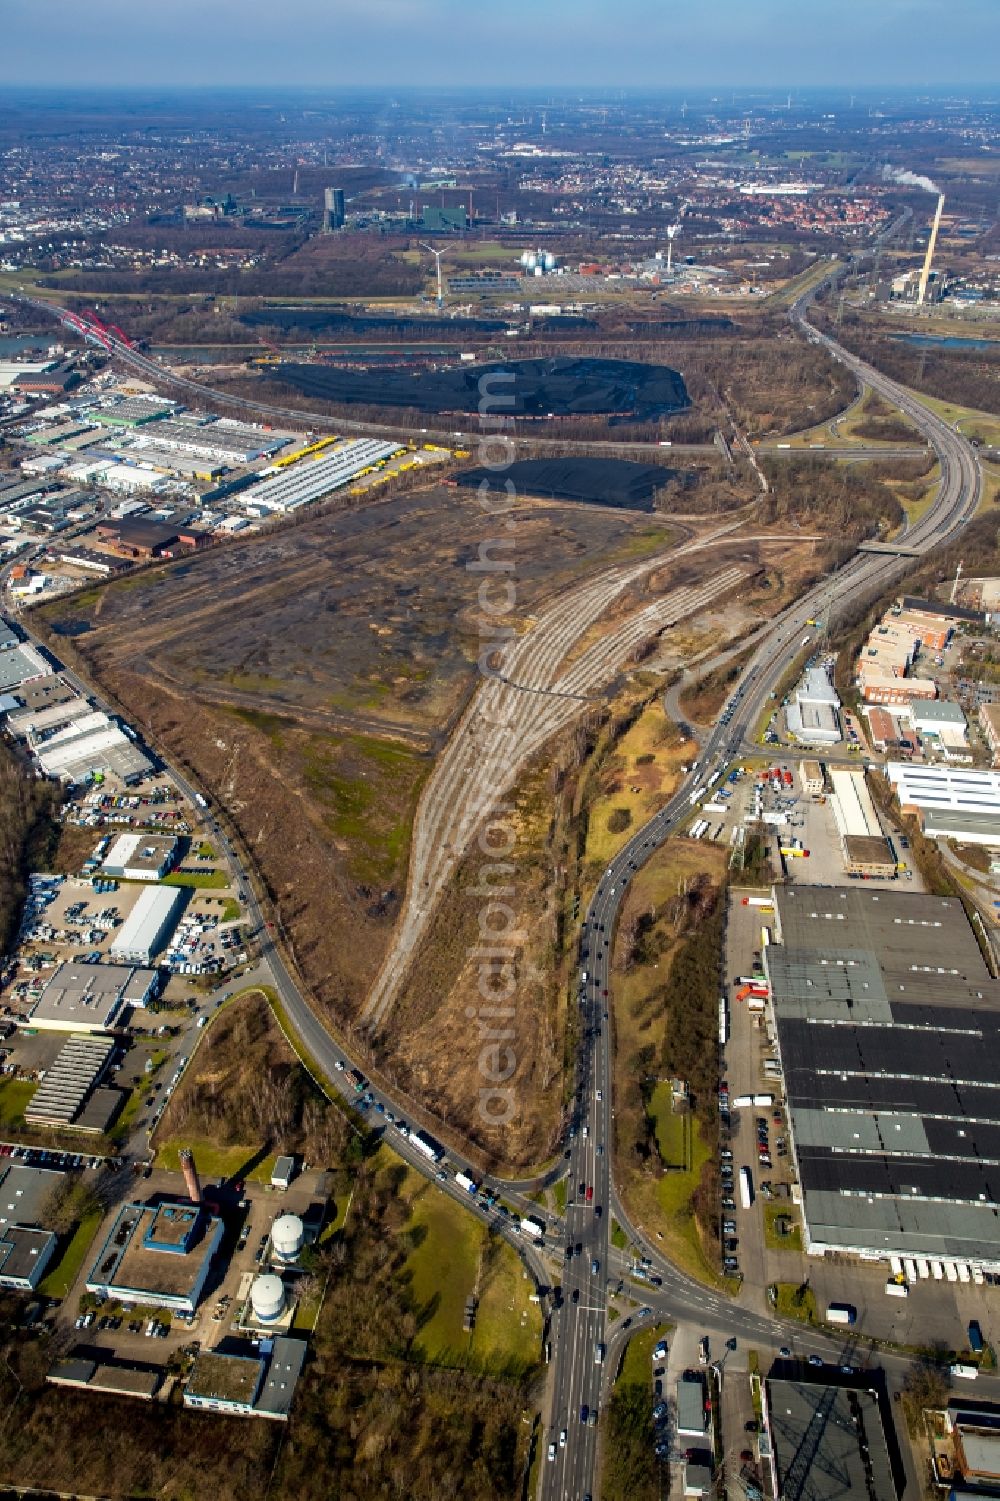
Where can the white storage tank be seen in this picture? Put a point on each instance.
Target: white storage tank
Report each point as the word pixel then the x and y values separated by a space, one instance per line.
pixel 267 1295
pixel 287 1237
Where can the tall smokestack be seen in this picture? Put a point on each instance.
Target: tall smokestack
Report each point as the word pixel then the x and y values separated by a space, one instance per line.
pixel 190 1175
pixel 925 273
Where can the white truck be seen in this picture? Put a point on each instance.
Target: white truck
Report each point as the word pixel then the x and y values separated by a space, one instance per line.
pixel 841 1313
pixel 746 1187
pixel 533 1227
pixel 897 1289
pixel 469 1184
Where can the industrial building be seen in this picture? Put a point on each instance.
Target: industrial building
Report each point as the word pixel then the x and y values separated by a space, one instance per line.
pixel 157 1253
pixel 26 1244
pixel 248 1381
pixel 140 857
pixel 949 802
pixel 813 717
pixel 68 1096
pixel 93 743
pixel 132 411
pixel 831 1435
pixel 812 779
pixel 91 997
pixel 21 663
pixel 311 479
pixel 942 726
pixel 113 1377
pixel 149 926
pixel 866 851
pixel 887 1031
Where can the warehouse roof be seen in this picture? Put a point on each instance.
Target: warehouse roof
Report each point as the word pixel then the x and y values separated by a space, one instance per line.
pixel 25 1193
pixel 21 663
pixel 888 1028
pixel 69 1081
pixel 89 996
pixel 148 926
pixel 23 1252
pixel 938 711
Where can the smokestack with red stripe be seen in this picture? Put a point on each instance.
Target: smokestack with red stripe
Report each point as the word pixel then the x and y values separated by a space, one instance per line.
pixel 190 1175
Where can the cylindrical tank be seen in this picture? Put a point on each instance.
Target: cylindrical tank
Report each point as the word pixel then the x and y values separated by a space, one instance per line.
pixel 190 1175
pixel 287 1235
pixel 549 261
pixel 267 1296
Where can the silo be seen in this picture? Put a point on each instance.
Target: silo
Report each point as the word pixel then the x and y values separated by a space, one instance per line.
pixel 549 261
pixel 287 1237
pixel 267 1297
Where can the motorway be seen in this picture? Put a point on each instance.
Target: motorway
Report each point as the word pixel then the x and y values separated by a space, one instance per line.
pixel 578 1328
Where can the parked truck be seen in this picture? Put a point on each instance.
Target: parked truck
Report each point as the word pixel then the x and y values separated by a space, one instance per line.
pixel 746 1187
pixel 533 1227
pixel 841 1313
pixel 975 1337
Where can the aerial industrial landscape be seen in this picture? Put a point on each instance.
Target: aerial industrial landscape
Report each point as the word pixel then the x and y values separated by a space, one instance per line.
pixel 499 786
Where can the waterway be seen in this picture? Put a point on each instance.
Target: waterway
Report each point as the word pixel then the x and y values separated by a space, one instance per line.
pixel 948 341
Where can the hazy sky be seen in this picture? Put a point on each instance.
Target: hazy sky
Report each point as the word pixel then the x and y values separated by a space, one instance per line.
pixel 671 43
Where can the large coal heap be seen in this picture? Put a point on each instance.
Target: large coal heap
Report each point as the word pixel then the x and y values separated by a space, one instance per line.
pixel 606 482
pixel 331 320
pixel 621 390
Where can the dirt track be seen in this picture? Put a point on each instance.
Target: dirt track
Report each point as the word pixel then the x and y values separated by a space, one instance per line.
pixel 512 716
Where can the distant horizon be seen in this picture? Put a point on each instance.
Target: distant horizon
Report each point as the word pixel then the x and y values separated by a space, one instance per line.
pixel 561 45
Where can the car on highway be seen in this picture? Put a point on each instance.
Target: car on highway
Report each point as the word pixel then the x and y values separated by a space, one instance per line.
pixel 552 1451
pixel 584 1413
pixel 595 1267
pixel 816 1360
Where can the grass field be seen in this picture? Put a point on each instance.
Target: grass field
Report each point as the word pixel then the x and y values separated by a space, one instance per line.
pixel 772 1240
pixel 64 1270
pixel 452 1257
pixel 672 1129
pixel 968 420
pixel 217 1162
pixel 795 1302
pixel 640 776
pixel 15 1096
pixel 636 1367
pixel 201 880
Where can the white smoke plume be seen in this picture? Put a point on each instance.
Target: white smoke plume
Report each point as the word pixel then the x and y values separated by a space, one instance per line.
pixel 909 179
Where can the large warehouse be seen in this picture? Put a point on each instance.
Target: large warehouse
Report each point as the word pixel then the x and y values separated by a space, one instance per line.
pixel 149 926
pixel 950 802
pixel 887 1027
pixel 91 997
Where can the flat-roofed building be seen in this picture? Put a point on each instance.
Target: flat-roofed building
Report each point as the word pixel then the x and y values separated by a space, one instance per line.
pixel 989 723
pixel 69 1084
pixel 24 1255
pixel 865 849
pixel 22 663
pixel 158 1252
pixel 116 1378
pixel 949 802
pixel 831 1435
pixel 25 1193
pixel 887 1030
pixel 692 1419
pixel 90 997
pixel 140 857
pixel 148 928
pixel 812 779
pixel 222 1382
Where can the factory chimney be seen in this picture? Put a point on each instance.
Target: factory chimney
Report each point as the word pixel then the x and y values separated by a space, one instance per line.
pixel 925 273
pixel 190 1175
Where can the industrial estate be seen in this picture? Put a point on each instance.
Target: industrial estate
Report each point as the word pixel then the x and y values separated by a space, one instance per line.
pixel 500 799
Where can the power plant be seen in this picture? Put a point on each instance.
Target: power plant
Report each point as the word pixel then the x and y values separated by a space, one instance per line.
pixel 538 262
pixel 928 258
pixel 190 1175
